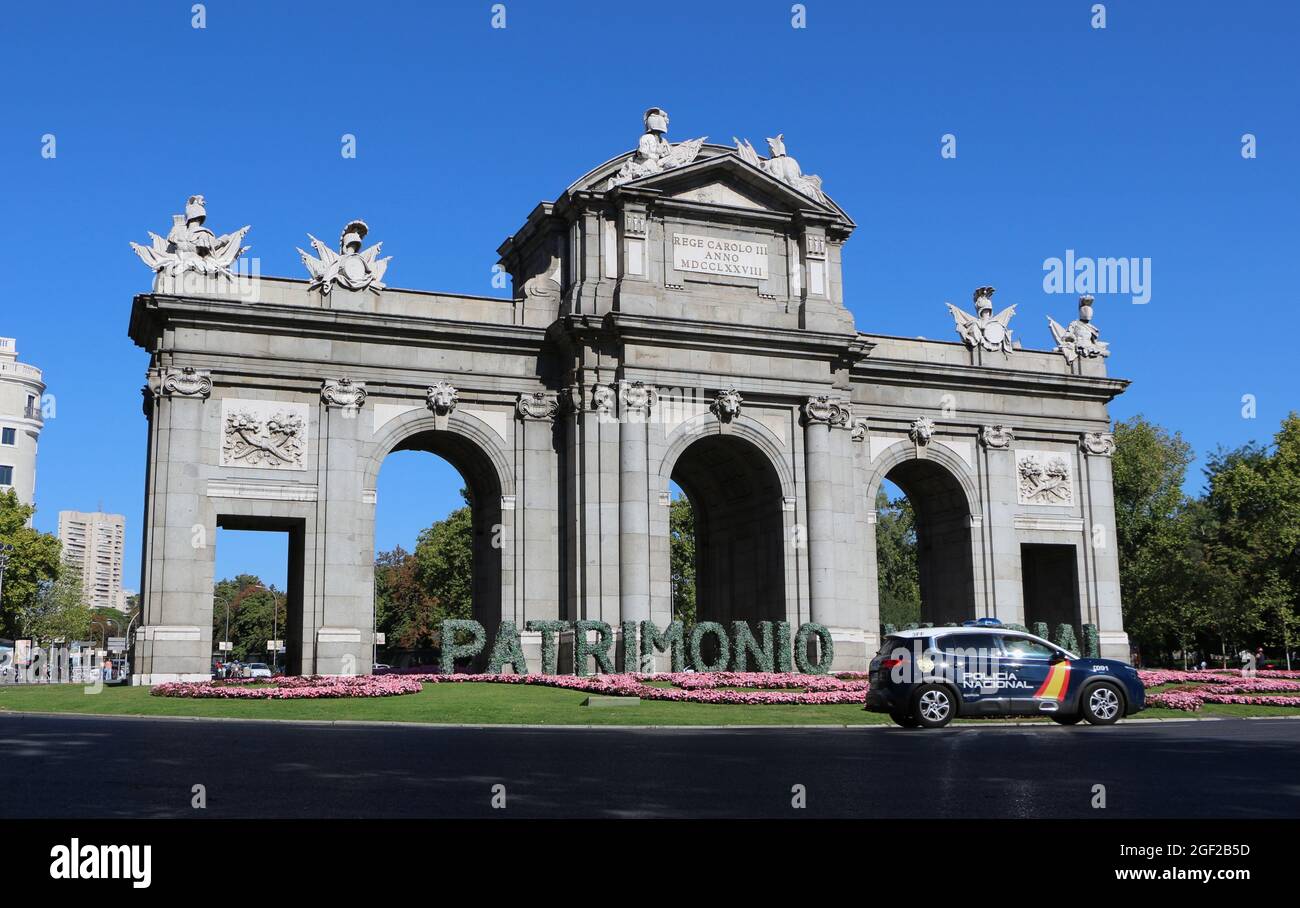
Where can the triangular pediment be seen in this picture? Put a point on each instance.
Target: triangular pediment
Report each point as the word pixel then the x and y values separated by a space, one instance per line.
pixel 725 180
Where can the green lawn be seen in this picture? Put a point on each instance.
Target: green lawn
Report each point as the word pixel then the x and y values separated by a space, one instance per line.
pixel 482 704
pixel 472 704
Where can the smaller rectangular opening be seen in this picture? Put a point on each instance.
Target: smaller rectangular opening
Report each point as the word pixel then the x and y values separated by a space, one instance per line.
pixel 257 590
pixel 1050 577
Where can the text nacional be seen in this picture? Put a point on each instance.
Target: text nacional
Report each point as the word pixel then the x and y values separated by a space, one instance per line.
pixel 714 255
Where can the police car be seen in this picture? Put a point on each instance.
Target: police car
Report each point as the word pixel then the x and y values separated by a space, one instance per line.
pixel 930 676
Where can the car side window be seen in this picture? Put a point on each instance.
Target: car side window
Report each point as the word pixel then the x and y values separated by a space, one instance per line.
pixel 1024 648
pixel 971 644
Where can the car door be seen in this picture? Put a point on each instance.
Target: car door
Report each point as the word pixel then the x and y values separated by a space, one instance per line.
pixel 1036 678
pixel 975 660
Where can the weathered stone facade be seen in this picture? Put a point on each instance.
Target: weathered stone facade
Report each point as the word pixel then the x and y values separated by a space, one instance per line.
pixel 675 318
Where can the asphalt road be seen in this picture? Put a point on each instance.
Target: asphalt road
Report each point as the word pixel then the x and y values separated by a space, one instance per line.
pixel 99 767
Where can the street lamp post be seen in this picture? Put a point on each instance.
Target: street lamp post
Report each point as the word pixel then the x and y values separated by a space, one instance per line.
pixel 5 550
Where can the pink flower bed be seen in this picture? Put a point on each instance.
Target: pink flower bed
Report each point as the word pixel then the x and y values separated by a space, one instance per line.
pixel 308 687
pixel 1221 687
pixel 690 687
pixel 1158 676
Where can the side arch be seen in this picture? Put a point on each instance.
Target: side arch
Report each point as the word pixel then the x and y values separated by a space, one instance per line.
pixel 406 426
pixel 478 453
pixel 945 501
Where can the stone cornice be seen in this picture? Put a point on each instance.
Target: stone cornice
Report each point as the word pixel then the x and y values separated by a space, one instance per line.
pixel 152 313
pixel 730 337
pixel 947 376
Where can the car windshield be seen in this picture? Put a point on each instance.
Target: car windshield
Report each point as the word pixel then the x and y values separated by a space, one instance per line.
pixel 257 665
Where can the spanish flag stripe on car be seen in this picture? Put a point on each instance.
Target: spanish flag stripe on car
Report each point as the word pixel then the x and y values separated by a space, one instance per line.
pixel 1056 682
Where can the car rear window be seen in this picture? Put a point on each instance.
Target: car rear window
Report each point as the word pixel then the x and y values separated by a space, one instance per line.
pixel 889 644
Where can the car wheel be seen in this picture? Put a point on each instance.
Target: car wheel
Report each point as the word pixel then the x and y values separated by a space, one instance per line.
pixel 933 706
pixel 1102 704
pixel 1066 719
pixel 904 720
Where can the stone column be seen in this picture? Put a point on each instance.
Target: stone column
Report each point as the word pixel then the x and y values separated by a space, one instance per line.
pixel 174 642
pixel 1005 599
pixel 539 500
pixel 822 415
pixel 1099 535
pixel 635 401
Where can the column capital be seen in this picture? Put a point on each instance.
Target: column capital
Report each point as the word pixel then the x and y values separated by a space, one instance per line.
pixel 537 405
pixel 827 408
pixel 184 382
pixel 1097 444
pixel 997 438
pixel 635 398
pixel 343 392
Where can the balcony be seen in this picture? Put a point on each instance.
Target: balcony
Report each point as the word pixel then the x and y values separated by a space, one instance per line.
pixel 32 413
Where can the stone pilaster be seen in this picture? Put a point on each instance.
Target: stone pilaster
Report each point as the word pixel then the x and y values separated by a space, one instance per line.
pixel 635 402
pixel 174 642
pixel 538 489
pixel 821 415
pixel 337 632
pixel 1099 531
pixel 1005 599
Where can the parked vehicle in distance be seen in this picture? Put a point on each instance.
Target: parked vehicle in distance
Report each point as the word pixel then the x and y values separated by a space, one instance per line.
pixel 257 670
pixel 930 676
pixel 381 667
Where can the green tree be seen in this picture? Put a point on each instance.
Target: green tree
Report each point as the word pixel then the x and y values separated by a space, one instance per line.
pixel 1158 533
pixel 444 565
pixel 33 563
pixel 57 613
pixel 405 611
pixel 898 577
pixel 681 547
pixel 257 614
pixel 1253 498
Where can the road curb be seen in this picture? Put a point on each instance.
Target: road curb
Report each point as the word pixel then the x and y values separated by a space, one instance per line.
pixel 516 726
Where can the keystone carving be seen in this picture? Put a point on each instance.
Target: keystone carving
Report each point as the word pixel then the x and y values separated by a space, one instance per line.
pixel 726 406
pixel 921 431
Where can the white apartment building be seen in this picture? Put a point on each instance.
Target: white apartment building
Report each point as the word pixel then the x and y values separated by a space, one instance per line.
pixel 21 421
pixel 93 543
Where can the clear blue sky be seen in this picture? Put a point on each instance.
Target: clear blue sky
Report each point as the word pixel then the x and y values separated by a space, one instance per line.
pixel 1117 142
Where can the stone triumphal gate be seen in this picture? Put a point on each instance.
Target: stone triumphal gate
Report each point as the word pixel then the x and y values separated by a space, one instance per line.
pixel 677 317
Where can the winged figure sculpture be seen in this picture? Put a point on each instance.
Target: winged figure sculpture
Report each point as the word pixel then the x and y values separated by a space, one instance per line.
pixel 984 329
pixel 351 268
pixel 190 246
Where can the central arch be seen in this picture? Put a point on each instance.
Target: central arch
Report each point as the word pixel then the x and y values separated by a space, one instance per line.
pixel 736 498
